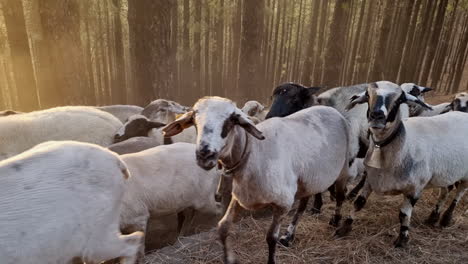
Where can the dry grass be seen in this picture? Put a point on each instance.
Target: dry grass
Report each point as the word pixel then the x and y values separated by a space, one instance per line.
pixel 370 242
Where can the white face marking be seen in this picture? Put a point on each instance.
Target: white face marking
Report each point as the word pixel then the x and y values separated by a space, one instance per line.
pixel 384 109
pixel 463 97
pixel 211 113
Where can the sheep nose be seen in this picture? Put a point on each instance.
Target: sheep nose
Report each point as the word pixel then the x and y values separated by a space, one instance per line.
pixel 377 115
pixel 205 153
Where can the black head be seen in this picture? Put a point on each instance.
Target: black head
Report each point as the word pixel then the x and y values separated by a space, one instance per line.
pixel 136 126
pixel 289 98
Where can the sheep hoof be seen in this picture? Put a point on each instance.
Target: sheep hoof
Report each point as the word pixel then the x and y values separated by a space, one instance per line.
pixel 446 220
pixel 432 219
pixel 314 211
pixel 401 242
pixel 359 203
pixel 345 229
pixel 285 241
pixel 351 196
pixel 335 220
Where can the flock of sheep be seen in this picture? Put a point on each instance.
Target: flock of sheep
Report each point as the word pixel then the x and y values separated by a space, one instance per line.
pixel 79 184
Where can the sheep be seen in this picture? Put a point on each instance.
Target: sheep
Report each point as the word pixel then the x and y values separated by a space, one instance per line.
pixel 87 124
pixel 138 126
pixel 163 110
pixel 459 103
pixel 122 112
pixel 141 126
pixel 9 112
pixel 410 155
pixel 417 110
pixel 267 171
pixel 255 110
pixel 165 180
pixel 60 201
pixel 289 98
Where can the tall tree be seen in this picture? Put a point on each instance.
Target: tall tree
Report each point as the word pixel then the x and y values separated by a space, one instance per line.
pixel 378 67
pixel 119 86
pixel 252 29
pixel 149 23
pixel 335 49
pixel 21 60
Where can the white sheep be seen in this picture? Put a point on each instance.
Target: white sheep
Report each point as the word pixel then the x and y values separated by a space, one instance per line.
pixel 166 180
pixel 163 110
pixel 141 126
pixel 417 110
pixel 289 98
pixel 459 103
pixel 410 155
pixel 60 201
pixel 86 124
pixel 256 110
pixel 273 167
pixel 122 112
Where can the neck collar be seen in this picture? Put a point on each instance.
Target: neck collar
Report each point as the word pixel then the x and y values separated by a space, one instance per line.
pixel 240 162
pixel 390 138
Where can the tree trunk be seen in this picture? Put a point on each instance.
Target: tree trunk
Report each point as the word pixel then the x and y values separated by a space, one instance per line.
pixel 378 68
pixel 119 86
pixel 252 29
pixel 197 66
pixel 150 29
pixel 20 55
pixel 310 53
pixel 439 22
pixel 336 44
pixel 218 63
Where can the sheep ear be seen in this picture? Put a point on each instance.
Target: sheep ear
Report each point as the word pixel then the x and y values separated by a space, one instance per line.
pixel 357 99
pixel 183 122
pixel 314 89
pixel 248 125
pixel 414 100
pixel 426 89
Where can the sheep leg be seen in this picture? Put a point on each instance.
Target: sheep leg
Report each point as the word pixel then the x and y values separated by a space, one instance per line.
pixel 405 219
pixel 435 214
pixel 447 217
pixel 340 187
pixel 318 202
pixel 332 191
pixel 354 192
pixel 180 222
pixel 223 230
pixel 347 225
pixel 273 232
pixel 290 233
pixel 184 220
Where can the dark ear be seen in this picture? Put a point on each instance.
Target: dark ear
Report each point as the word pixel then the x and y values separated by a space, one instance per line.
pixel 426 89
pixel 152 124
pixel 314 89
pixel 308 92
pixel 183 122
pixel 412 99
pixel 357 99
pixel 248 125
